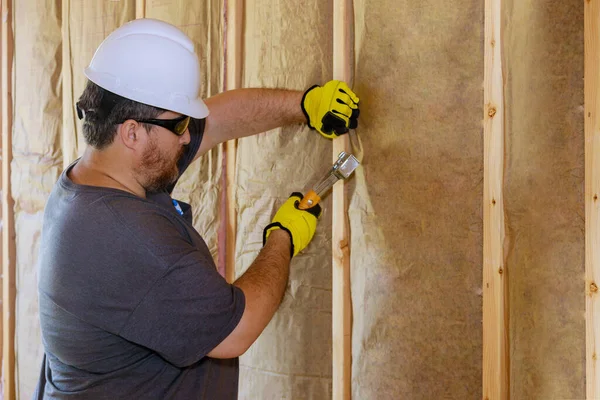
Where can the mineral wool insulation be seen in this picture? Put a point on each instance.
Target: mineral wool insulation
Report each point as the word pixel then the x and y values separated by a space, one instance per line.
pixel 544 198
pixel 415 204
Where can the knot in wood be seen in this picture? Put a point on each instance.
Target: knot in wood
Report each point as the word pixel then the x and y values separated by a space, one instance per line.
pixel 593 287
pixel 491 112
pixel 500 271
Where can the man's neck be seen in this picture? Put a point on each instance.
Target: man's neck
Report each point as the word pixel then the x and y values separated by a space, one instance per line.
pixel 104 169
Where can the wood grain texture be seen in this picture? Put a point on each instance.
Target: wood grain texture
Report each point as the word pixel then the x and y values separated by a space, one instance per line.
pixel 495 338
pixel 1 229
pixel 592 193
pixel 342 303
pixel 69 136
pixel 233 80
pixel 140 9
pixel 8 233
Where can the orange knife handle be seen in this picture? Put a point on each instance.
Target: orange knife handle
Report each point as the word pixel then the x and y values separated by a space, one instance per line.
pixel 310 199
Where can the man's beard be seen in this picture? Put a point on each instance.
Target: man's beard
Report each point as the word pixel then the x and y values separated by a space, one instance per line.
pixel 158 170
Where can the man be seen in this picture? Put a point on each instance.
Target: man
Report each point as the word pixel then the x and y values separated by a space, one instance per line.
pixel 131 304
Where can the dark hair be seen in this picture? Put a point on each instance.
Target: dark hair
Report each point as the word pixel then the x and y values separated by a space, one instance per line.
pixel 104 110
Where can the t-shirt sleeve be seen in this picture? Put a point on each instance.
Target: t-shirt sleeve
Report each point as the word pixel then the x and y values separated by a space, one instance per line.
pixel 187 313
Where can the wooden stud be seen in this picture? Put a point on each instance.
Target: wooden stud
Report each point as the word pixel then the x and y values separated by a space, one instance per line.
pixel 1 230
pixel 342 304
pixel 8 234
pixel 233 80
pixel 592 194
pixel 69 137
pixel 140 9
pixel 495 334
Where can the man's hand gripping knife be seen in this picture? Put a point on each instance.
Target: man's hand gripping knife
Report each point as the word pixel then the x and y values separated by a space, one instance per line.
pixel 299 224
pixel 331 109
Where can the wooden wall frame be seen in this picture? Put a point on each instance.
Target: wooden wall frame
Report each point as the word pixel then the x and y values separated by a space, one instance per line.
pixel 8 231
pixel 495 313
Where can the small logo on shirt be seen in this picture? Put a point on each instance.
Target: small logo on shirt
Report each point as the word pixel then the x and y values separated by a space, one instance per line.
pixel 177 207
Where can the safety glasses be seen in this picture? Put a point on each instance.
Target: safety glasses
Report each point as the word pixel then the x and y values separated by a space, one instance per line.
pixel 109 100
pixel 177 125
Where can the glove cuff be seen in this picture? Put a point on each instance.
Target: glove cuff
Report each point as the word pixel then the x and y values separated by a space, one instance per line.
pixel 278 225
pixel 304 109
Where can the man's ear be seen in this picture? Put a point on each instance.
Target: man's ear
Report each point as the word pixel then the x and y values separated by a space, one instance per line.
pixel 129 133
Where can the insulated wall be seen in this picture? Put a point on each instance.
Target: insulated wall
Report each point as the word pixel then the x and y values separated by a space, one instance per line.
pixel 287 45
pixel 416 211
pixel 544 197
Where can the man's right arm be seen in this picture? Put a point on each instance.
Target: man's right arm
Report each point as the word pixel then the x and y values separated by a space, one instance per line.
pixel 263 285
pixel 265 281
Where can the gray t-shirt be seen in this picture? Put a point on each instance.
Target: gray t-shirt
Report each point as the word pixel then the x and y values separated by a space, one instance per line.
pixel 130 299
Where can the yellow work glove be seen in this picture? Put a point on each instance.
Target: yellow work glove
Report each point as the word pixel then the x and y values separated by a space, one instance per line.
pixel 300 224
pixel 332 109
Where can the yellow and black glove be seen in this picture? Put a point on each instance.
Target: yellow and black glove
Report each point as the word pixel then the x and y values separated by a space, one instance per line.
pixel 300 224
pixel 332 109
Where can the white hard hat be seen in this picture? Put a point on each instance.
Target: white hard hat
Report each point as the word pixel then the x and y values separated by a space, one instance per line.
pixel 151 62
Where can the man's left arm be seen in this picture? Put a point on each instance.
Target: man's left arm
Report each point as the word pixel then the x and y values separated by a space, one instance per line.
pixel 245 112
pixel 331 110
